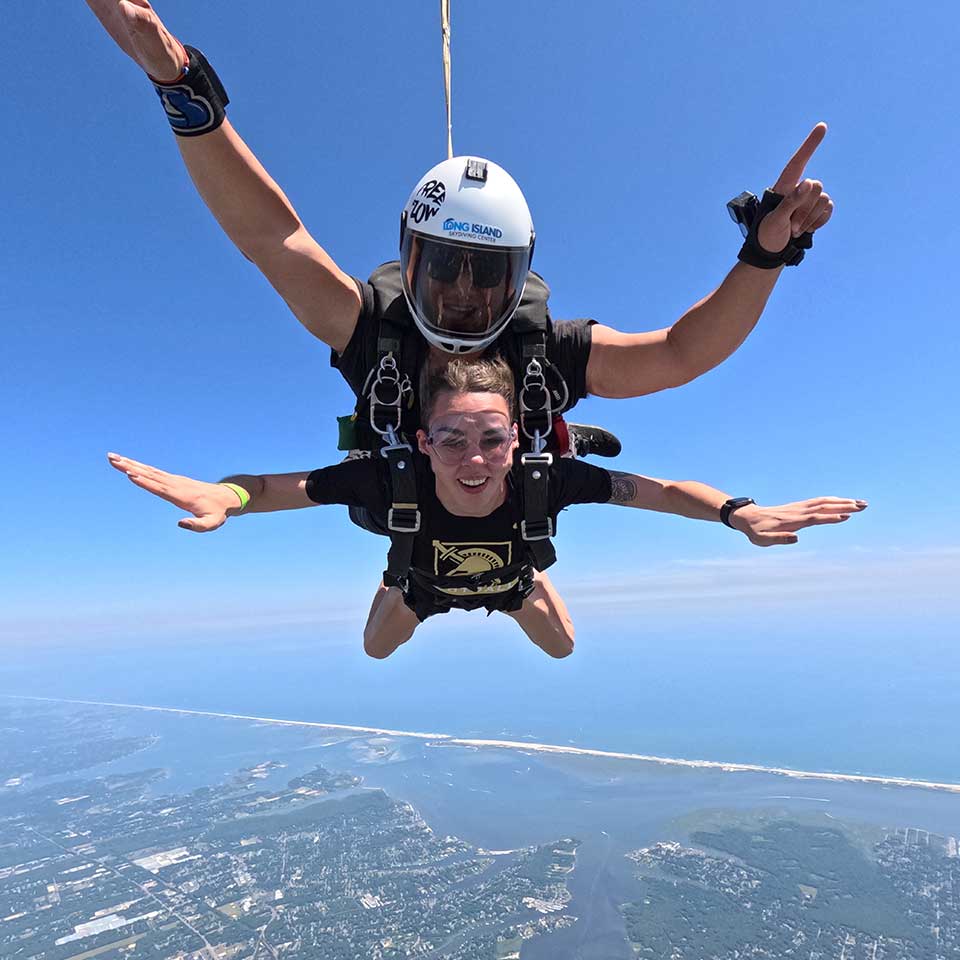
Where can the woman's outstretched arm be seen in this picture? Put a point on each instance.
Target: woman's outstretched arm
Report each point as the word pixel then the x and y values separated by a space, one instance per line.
pixel 763 526
pixel 212 503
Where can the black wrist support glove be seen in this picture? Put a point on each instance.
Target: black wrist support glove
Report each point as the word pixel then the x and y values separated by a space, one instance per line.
pixel 195 101
pixel 747 212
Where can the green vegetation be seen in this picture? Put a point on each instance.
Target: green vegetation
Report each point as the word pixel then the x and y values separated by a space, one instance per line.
pixel 779 888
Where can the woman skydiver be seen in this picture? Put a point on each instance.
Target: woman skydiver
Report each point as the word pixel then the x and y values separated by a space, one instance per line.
pixel 469 550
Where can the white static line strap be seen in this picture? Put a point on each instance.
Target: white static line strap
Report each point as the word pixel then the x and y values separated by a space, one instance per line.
pixel 445 35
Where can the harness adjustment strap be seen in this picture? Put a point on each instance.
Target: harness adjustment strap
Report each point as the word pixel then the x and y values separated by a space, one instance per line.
pixel 534 346
pixel 537 526
pixel 388 344
pixel 403 517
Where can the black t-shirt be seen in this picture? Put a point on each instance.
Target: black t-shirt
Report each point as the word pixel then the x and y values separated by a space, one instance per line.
pixel 567 343
pixel 451 546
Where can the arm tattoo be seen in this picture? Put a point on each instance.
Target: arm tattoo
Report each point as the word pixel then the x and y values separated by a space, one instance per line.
pixel 623 489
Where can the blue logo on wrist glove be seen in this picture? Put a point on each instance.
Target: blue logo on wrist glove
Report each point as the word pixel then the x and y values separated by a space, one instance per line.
pixel 185 110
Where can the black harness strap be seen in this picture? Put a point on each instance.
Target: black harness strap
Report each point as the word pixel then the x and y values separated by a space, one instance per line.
pixel 403 517
pixel 389 387
pixel 537 527
pixel 536 422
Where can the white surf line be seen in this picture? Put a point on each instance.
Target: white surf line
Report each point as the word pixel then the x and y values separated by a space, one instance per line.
pixel 811 799
pixel 447 739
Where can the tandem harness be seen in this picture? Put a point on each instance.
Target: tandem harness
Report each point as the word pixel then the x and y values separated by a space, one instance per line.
pixel 384 407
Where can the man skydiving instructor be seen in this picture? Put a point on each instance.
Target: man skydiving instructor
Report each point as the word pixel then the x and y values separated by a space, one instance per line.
pixel 333 306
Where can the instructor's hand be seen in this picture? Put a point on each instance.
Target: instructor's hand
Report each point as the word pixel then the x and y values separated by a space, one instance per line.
pixel 769 526
pixel 141 35
pixel 805 207
pixel 208 502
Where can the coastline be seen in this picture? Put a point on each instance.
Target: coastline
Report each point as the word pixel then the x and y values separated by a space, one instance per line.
pixel 445 739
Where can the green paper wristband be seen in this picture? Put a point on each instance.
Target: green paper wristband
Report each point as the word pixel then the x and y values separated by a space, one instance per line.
pixel 240 492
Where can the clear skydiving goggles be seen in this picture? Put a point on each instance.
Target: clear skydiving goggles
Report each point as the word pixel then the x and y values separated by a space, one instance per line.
pixel 457 438
pixel 462 295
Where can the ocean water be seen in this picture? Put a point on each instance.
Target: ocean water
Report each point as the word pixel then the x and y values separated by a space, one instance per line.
pixel 831 696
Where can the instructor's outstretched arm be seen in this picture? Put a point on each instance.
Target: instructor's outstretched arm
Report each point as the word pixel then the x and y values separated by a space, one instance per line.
pixel 634 364
pixel 212 503
pixel 762 526
pixel 246 201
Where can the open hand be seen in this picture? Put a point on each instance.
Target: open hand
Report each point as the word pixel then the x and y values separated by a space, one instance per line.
pixel 805 207
pixel 141 35
pixel 208 502
pixel 770 526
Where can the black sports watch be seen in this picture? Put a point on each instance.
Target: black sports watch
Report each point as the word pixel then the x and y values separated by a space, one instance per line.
pixel 735 504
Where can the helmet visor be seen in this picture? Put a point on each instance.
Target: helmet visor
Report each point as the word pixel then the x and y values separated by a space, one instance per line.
pixel 462 290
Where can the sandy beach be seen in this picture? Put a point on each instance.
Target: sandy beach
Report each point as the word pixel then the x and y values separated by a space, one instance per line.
pixel 445 739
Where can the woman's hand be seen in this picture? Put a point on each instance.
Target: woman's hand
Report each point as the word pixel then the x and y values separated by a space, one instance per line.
pixel 770 526
pixel 210 503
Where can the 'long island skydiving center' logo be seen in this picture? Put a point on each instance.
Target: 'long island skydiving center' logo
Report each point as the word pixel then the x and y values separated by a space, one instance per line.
pixel 472 231
pixel 470 559
pixel 428 201
pixel 185 110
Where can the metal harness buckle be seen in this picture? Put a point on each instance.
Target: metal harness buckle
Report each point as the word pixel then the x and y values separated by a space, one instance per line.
pixel 534 380
pixel 536 457
pixel 536 529
pixel 403 519
pixel 388 380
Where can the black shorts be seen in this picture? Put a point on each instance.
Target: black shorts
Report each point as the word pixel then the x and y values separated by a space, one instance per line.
pixel 425 603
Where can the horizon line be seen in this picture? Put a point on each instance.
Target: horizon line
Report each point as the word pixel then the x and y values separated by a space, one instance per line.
pixel 451 740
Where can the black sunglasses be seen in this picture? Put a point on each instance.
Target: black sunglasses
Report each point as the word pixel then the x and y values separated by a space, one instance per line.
pixel 444 263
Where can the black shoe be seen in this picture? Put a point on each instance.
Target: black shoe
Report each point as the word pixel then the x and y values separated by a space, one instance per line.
pixel 588 441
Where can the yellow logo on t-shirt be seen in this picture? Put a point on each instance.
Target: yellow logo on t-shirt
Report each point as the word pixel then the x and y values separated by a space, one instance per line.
pixel 469 559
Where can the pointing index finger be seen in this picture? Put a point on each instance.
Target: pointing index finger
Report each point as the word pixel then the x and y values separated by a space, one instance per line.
pixel 793 171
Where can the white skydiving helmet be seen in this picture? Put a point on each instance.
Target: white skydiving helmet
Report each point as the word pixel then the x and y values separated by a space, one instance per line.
pixel 466 242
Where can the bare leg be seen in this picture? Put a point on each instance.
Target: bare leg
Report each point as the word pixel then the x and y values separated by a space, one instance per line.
pixel 390 623
pixel 544 618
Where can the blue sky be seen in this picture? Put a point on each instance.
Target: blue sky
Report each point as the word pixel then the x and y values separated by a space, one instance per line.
pixel 132 324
